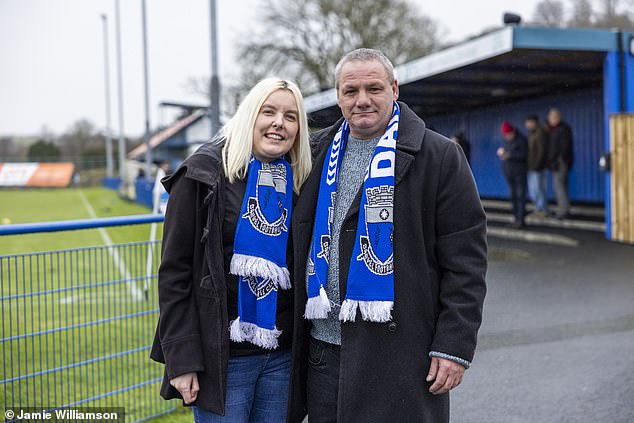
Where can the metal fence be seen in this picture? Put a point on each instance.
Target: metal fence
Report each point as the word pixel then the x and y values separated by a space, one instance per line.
pixel 77 324
pixel 81 162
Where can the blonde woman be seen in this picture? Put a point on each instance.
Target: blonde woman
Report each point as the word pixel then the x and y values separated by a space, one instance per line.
pixel 226 307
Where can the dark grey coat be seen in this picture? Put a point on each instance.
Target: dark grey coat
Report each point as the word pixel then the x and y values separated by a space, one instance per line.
pixel 440 260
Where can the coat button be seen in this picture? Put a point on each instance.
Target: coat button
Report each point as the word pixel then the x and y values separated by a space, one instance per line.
pixel 392 326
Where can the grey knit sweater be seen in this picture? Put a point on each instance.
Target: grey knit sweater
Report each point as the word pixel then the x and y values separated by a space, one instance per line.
pixel 353 166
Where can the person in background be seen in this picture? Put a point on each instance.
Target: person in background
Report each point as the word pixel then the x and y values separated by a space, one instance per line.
pixel 536 164
pixel 226 307
pixel 560 158
pixel 459 138
pixel 513 154
pixel 159 194
pixel 389 241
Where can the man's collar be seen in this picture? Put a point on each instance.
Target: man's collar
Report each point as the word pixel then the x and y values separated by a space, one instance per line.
pixel 411 130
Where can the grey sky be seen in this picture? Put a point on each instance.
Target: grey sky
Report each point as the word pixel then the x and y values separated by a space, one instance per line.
pixel 51 54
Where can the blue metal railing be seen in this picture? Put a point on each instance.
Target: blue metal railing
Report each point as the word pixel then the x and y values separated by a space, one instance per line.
pixel 70 225
pixel 77 324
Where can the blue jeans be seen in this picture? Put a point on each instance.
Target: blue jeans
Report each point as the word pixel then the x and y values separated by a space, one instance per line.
pixel 537 189
pixel 257 390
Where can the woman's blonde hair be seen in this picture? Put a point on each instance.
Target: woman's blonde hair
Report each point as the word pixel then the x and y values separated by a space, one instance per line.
pixel 237 133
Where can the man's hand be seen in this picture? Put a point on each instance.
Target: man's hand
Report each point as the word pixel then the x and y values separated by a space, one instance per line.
pixel 502 154
pixel 187 385
pixel 447 374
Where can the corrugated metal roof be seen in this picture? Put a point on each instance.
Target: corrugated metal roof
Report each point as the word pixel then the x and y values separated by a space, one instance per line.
pixel 507 65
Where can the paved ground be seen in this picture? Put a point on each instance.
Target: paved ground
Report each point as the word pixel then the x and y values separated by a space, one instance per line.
pixel 557 340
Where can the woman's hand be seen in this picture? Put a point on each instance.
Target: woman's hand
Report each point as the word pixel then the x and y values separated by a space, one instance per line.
pixel 187 385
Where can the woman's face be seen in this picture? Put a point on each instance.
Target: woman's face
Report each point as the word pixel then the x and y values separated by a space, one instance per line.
pixel 276 126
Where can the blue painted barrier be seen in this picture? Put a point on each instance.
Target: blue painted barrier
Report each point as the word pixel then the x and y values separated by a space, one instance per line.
pixel 70 225
pixel 143 189
pixel 111 183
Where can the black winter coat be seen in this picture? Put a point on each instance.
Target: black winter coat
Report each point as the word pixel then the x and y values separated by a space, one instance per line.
pixel 537 152
pixel 193 329
pixel 560 146
pixel 440 260
pixel 193 231
pixel 517 151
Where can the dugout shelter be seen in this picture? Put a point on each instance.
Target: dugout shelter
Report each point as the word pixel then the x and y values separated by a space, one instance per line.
pixel 508 74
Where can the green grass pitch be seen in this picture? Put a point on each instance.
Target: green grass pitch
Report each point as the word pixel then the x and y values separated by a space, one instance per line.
pixel 75 323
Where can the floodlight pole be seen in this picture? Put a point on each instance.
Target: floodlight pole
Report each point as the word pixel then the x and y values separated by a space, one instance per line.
pixel 106 64
pixel 148 150
pixel 214 83
pixel 122 143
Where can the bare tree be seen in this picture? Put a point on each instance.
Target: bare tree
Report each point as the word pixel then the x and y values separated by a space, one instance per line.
pixel 7 147
pixel 303 40
pixel 231 93
pixel 586 13
pixel 615 14
pixel 81 139
pixel 609 8
pixel 549 13
pixel 582 14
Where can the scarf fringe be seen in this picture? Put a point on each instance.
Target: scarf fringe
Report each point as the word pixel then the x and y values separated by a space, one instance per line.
pixel 373 311
pixel 244 265
pixel 318 307
pixel 240 331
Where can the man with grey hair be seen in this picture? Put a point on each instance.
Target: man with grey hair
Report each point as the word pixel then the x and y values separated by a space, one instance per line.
pixel 560 158
pixel 390 261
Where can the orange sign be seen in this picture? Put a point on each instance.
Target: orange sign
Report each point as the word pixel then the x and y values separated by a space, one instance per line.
pixel 36 174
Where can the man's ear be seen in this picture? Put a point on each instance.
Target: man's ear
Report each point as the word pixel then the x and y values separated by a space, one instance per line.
pixel 395 89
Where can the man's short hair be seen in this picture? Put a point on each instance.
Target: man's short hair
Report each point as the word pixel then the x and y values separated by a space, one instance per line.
pixel 365 55
pixel 532 117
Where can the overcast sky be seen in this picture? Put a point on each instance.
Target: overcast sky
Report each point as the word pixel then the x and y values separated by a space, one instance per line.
pixel 51 54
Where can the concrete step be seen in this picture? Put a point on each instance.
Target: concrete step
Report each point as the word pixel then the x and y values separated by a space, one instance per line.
pixel 550 222
pixel 589 218
pixel 575 210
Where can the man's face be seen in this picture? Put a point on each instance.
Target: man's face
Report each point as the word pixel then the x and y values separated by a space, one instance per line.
pixel 530 124
pixel 365 97
pixel 554 118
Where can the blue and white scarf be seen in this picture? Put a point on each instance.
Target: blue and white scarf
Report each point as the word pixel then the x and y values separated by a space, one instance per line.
pixel 259 251
pixel 370 285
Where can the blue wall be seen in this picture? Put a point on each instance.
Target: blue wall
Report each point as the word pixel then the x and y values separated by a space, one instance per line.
pixel 582 110
pixel 111 183
pixel 143 190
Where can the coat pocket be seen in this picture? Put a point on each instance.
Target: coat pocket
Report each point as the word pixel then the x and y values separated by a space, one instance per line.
pixel 207 287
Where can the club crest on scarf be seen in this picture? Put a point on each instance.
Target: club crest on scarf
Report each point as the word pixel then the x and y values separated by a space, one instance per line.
pixel 325 239
pixel 266 211
pixel 259 252
pixel 377 245
pixel 310 267
pixel 260 287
